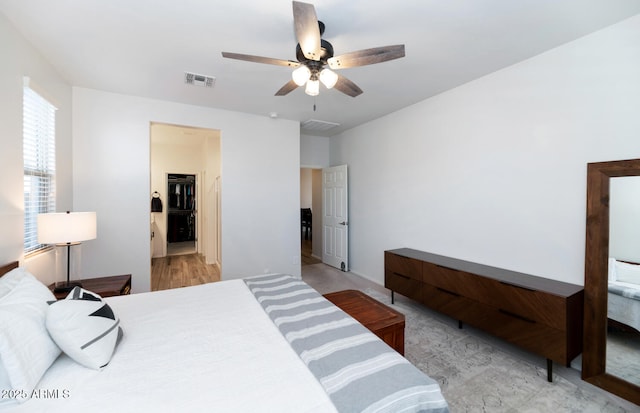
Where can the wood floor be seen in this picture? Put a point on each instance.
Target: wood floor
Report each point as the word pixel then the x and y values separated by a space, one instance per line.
pixel 307 258
pixel 176 271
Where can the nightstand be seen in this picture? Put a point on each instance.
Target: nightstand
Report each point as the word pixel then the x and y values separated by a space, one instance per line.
pixel 103 286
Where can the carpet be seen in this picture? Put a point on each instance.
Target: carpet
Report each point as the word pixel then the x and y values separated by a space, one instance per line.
pixel 476 375
pixel 623 355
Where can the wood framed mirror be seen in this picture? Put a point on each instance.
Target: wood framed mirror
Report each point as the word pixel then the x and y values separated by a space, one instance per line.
pixel 600 177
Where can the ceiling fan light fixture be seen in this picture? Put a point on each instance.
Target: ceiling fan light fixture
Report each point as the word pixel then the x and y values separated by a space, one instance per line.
pixel 329 78
pixel 313 87
pixel 301 75
pixel 313 53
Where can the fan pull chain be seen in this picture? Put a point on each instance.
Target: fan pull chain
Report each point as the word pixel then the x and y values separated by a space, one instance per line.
pixel 314 103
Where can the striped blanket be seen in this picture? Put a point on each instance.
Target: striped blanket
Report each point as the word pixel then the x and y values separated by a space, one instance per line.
pixel 359 372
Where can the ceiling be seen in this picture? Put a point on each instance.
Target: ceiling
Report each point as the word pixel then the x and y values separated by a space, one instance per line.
pixel 144 47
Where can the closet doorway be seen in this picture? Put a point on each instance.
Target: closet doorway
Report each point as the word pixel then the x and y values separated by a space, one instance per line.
pixel 185 176
pixel 182 233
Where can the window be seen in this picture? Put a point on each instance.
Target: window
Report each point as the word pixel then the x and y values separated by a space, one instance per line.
pixel 39 132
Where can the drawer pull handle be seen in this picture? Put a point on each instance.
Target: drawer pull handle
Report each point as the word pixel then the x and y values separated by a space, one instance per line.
pixel 447 268
pixel 402 276
pixel 517 286
pixel 448 292
pixel 514 315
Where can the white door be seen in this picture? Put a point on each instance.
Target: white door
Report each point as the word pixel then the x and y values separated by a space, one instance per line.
pixel 335 217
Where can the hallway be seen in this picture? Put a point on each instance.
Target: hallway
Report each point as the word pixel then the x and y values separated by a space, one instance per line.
pixel 306 257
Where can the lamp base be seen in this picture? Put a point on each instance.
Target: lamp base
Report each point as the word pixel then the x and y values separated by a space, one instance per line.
pixel 66 286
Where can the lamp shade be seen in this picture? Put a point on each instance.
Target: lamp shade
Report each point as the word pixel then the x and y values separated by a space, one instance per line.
pixel 313 88
pixel 66 227
pixel 328 78
pixel 301 75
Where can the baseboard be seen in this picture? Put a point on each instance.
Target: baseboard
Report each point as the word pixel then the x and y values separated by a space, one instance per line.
pixel 366 277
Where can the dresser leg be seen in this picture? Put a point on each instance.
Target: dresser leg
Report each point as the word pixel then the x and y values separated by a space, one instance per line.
pixel 460 324
pixel 392 298
pixel 549 370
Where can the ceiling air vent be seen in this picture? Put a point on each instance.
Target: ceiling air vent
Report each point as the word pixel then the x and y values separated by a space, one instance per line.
pixel 318 125
pixel 199 80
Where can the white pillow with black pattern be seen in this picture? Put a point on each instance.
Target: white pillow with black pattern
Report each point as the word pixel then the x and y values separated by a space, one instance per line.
pixel 84 327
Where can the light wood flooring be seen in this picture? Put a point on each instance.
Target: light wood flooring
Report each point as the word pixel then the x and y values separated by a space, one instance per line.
pixel 176 271
pixel 306 257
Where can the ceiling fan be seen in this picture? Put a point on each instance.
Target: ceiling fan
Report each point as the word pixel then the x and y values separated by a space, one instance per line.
pixel 314 54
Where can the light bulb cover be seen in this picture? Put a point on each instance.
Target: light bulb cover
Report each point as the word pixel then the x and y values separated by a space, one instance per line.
pixel 329 78
pixel 313 88
pixel 301 75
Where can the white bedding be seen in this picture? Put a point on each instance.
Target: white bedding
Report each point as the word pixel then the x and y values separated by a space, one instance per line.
pixel 623 309
pixel 621 306
pixel 216 339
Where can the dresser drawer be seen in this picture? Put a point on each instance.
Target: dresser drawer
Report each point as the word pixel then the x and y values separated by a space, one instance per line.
pixel 460 282
pixel 403 266
pixel 528 334
pixel 539 306
pixel 534 305
pixel 454 305
pixel 403 284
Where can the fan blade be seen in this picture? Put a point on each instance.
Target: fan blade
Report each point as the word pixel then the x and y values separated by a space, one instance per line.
pixel 347 87
pixel 307 29
pixel 288 87
pixel 366 57
pixel 260 59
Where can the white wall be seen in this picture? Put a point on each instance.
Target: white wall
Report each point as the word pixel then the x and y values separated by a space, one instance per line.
pixel 260 183
pixel 306 194
pixel 495 170
pixel 20 59
pixel 314 151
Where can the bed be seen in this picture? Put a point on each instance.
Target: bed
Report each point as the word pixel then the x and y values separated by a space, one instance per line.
pixel 624 293
pixel 268 343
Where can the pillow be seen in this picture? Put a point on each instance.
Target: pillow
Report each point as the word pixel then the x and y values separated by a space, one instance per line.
pixel 9 281
pixel 26 349
pixel 85 328
pixel 5 384
pixel 628 273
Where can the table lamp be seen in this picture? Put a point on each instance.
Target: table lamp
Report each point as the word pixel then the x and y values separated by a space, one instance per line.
pixel 66 229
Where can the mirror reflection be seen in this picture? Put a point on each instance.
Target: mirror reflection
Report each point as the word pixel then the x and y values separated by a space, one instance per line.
pixel 623 304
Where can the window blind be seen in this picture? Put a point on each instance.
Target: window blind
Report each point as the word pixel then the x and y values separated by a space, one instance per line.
pixel 39 152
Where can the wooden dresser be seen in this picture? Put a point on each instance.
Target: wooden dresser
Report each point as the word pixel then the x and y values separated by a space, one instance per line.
pixel 538 314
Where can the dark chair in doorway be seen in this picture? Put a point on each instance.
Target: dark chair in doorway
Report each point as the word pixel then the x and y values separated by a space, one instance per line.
pixel 305 222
